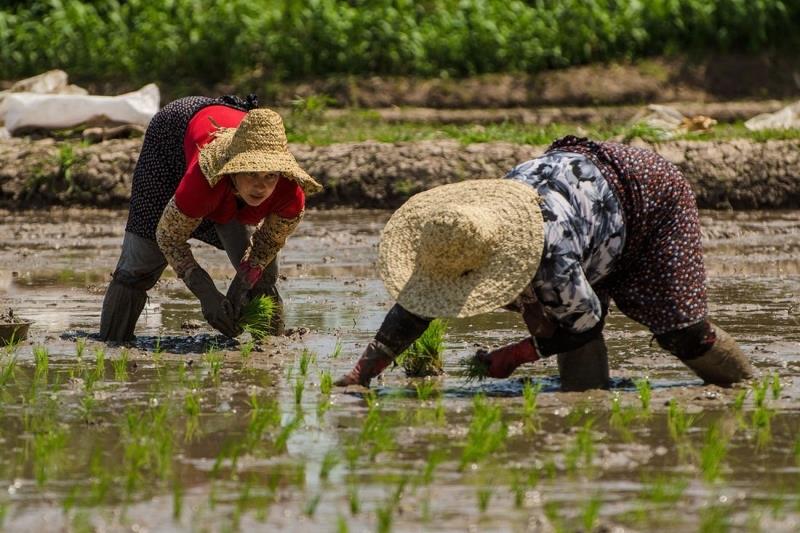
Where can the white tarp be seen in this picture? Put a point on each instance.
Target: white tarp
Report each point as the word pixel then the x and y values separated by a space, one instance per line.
pixel 785 119
pixel 58 111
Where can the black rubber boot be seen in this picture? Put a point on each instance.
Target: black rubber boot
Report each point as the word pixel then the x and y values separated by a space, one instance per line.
pixel 122 306
pixel 584 368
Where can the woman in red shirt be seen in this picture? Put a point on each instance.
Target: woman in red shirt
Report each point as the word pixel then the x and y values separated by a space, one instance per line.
pixel 209 167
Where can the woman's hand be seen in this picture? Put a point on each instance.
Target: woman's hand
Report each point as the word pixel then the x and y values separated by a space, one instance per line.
pixel 239 290
pixel 502 362
pixel 217 310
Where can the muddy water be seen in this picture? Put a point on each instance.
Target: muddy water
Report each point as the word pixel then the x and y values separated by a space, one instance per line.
pixel 197 435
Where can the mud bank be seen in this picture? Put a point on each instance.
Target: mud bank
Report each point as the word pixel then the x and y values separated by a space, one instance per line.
pixel 739 174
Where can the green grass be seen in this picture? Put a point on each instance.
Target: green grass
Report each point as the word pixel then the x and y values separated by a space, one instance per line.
pixel 424 356
pixel 256 316
pixel 359 126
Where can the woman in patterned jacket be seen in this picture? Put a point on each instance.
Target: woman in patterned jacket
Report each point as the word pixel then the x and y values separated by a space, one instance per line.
pixel 610 222
pixel 209 167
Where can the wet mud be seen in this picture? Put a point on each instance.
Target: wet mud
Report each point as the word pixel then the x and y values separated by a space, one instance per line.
pixel 186 430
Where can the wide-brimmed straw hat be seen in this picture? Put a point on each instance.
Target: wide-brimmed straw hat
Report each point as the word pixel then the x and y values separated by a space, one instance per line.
pixel 258 145
pixel 462 249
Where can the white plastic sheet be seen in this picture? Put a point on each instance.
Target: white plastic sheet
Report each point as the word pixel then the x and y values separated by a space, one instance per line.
pixel 786 118
pixel 57 111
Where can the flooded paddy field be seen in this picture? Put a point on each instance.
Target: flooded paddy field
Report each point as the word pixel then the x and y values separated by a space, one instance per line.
pixel 187 431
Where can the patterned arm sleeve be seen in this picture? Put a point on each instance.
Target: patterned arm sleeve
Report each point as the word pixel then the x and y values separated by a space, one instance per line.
pixel 268 238
pixel 172 234
pixel 560 283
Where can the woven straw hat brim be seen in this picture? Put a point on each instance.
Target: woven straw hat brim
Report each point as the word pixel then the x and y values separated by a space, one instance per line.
pixel 215 162
pixel 507 209
pixel 264 161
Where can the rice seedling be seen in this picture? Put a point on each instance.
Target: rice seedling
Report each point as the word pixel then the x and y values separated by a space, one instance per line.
pixel 213 358
pixel 177 498
pixel 376 434
pixel 263 414
pixel 310 508
pixel 329 462
pixel 551 512
pixel 191 408
pixel 88 404
pixel 121 366
pixel 678 421
pixel 325 382
pixel 473 368
pixel 337 349
pixel 426 389
pixel 147 445
pixel 621 417
pixel 484 497
pixel 353 499
pixel 306 358
pixel 80 347
pixel 713 519
pixel 102 479
pixel 41 359
pixel 158 353
pixel 8 372
pixel 591 512
pixel 246 352
pixel 582 449
pixel 299 385
pixel 530 398
pixel 257 315
pixel 99 364
pixel 341 525
pixel 761 423
pixel 664 490
pixel 645 393
pixel 385 513
pixel 713 453
pixel 424 356
pixel 435 458
pixel 487 432
pixel 776 386
pixel 47 443
pixel 286 432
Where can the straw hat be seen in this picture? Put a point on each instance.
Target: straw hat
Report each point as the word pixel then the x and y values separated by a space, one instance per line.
pixel 257 145
pixel 462 249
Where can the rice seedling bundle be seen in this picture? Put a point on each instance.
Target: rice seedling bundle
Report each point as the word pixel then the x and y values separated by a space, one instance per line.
pixel 256 316
pixel 424 357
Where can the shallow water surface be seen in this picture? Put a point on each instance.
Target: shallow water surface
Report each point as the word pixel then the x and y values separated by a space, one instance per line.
pixel 185 430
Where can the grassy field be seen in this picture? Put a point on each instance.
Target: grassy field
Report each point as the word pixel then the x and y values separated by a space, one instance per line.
pixel 359 126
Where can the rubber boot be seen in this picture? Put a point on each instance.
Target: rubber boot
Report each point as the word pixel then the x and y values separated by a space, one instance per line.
pixel 724 363
pixel 373 361
pixel 584 368
pixel 122 306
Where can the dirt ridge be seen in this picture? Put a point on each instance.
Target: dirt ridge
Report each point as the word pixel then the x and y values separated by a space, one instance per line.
pixel 738 174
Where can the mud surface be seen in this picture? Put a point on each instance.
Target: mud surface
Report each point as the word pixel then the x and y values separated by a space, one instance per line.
pixel 193 438
pixel 738 174
pixel 658 80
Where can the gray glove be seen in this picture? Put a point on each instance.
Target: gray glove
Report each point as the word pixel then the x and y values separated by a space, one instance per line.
pixel 239 291
pixel 217 309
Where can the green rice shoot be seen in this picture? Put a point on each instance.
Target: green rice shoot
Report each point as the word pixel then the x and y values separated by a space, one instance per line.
pixel 474 368
pixel 424 357
pixel 257 315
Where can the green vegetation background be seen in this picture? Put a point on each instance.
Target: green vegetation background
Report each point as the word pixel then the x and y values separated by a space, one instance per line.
pixel 210 41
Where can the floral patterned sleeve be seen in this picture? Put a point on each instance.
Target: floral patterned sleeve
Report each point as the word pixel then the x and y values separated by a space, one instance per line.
pixel 269 237
pixel 172 235
pixel 584 235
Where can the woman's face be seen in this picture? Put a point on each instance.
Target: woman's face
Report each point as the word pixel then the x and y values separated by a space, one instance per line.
pixel 255 187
